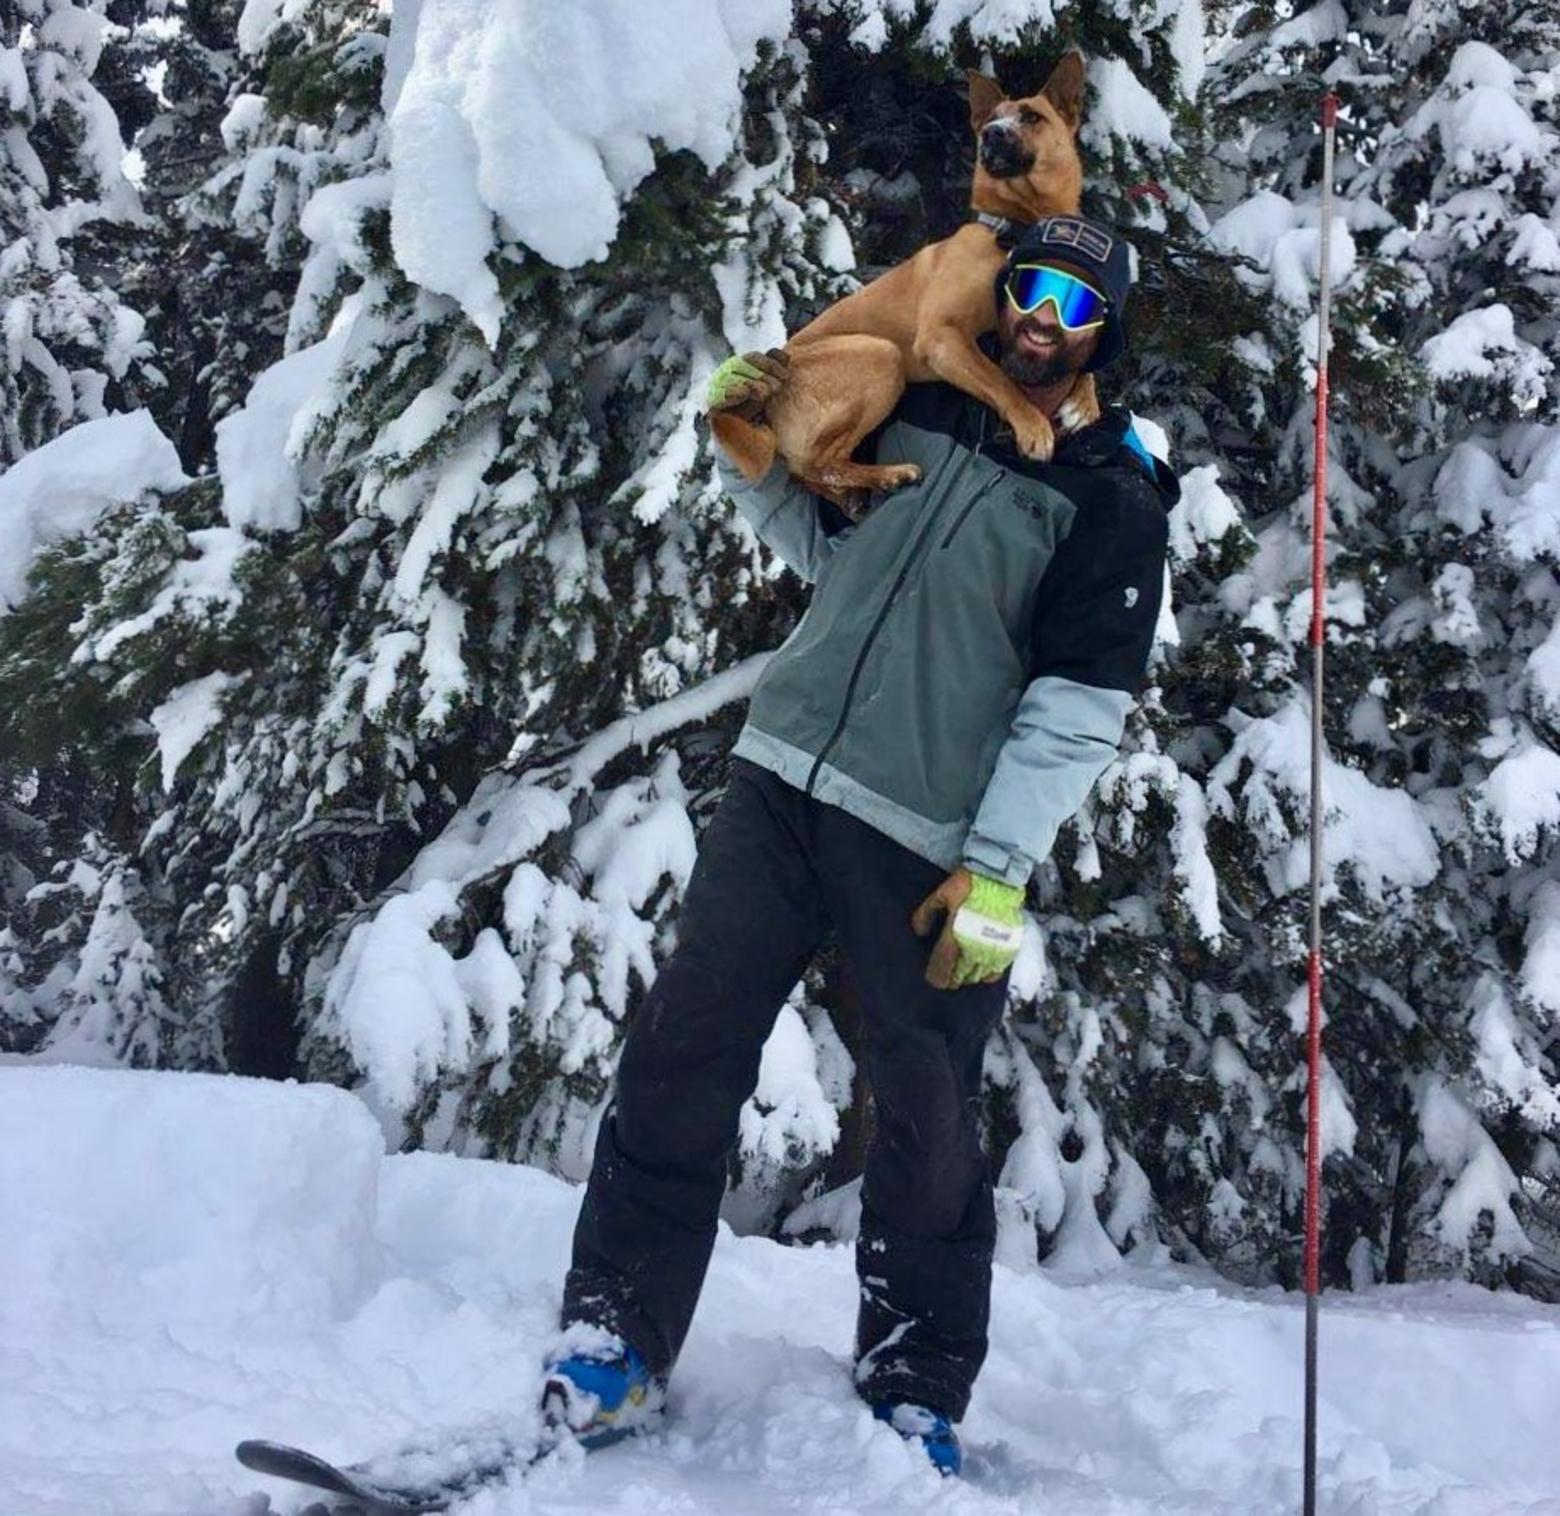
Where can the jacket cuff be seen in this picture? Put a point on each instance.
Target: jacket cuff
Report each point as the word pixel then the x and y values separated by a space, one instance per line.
pixel 734 482
pixel 982 855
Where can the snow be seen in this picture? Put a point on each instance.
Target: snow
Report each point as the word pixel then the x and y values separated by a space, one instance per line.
pixel 1467 486
pixel 1483 344
pixel 1477 63
pixel 241 126
pixel 78 30
pixel 1326 22
pixel 995 21
pixel 1198 884
pixel 397 996
pixel 14 91
pixel 258 446
pixel 209 1258
pixel 1380 834
pixel 184 718
pixel 60 489
pixel 1202 515
pixel 1520 801
pixel 1188 45
pixel 1457 1143
pixel 1541 944
pixel 590 90
pixel 187 1199
pixel 202 587
pixel 1510 1069
pixel 790 1108
pixel 1285 241
pixel 1122 106
pixel 1527 511
pixel 259 18
pixel 1482 127
pixel 1534 246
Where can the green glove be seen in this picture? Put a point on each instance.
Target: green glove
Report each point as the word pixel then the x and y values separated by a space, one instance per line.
pixel 748 378
pixel 982 931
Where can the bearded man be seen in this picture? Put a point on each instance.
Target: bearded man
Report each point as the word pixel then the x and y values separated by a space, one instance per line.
pixel 960 680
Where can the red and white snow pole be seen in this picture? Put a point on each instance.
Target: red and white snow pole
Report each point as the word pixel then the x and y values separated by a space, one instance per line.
pixel 1313 1123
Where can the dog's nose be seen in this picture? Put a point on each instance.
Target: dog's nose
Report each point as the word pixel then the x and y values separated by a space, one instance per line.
pixel 1004 124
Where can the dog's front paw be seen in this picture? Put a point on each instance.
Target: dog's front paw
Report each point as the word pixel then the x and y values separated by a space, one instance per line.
pixel 1034 435
pixel 1079 409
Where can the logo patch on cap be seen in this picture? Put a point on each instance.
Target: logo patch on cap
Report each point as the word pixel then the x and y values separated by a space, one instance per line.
pixel 1069 231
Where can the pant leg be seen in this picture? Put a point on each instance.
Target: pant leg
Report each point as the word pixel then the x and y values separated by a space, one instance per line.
pixel 928 1226
pixel 752 917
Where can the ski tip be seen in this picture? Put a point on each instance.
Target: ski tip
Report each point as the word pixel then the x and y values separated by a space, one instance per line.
pixel 257 1453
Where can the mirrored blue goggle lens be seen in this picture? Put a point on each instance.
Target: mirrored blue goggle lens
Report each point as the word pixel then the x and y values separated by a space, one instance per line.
pixel 1076 304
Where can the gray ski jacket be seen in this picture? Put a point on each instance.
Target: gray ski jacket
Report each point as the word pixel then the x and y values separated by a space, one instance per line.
pixel 963 672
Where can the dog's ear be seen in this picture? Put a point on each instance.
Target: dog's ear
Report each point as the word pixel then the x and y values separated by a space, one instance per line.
pixel 985 96
pixel 1064 89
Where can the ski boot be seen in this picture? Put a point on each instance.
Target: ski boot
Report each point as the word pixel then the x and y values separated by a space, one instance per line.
pixel 599 1393
pixel 933 1430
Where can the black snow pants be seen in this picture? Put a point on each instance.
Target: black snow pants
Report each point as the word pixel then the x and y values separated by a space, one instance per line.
pixel 776 869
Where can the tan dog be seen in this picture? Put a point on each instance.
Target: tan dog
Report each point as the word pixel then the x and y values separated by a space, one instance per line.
pixel 846 370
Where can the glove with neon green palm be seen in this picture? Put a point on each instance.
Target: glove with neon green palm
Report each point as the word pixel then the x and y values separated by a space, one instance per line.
pixel 982 928
pixel 747 380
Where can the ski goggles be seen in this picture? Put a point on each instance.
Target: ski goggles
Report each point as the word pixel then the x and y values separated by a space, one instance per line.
pixel 1079 306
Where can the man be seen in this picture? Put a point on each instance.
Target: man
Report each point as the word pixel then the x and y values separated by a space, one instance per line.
pixel 958 683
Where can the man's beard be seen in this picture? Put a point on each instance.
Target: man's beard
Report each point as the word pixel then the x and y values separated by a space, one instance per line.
pixel 1033 370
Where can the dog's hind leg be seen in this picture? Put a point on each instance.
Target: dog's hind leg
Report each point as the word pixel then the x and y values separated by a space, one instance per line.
pixel 832 474
pixel 839 390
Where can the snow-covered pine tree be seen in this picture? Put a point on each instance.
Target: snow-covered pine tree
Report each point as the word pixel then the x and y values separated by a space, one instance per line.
pixel 1440 1101
pixel 414 708
pixel 465 563
pixel 1217 801
pixel 72 348
pixel 1468 169
pixel 75 352
pixel 261 106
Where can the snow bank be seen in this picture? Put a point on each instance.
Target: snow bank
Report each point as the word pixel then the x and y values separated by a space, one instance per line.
pixel 190 1260
pixel 60 489
pixel 542 118
pixel 182 1197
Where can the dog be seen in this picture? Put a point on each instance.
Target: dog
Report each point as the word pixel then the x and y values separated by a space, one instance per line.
pixel 846 370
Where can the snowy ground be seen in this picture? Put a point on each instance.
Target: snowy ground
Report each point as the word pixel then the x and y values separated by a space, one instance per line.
pixel 188 1260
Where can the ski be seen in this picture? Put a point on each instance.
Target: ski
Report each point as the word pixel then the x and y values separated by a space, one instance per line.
pixel 433 1475
pixel 408 1483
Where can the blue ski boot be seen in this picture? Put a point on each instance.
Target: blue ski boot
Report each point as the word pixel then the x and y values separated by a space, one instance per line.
pixel 599 1393
pixel 933 1430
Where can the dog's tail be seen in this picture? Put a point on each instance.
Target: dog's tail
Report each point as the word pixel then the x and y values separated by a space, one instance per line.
pixel 749 444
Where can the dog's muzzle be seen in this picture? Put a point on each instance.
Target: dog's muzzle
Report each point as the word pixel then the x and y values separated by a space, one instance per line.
pixel 1002 151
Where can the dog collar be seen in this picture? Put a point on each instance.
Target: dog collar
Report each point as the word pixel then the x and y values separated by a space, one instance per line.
pixel 1006 231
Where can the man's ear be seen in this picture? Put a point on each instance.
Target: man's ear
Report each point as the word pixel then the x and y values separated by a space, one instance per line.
pixel 1064 89
pixel 985 96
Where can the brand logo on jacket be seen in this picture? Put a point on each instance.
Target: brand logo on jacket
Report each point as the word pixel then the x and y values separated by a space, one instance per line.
pixel 1131 597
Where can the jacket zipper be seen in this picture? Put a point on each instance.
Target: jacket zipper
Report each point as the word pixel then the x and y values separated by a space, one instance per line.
pixel 980 442
pixel 965 512
pixel 871 637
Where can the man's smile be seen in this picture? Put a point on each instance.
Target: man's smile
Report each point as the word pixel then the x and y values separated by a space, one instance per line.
pixel 1042 340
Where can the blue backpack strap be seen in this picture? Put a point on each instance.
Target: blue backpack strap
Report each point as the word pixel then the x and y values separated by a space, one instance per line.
pixel 1135 445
